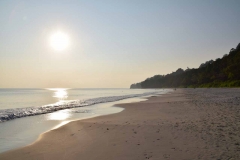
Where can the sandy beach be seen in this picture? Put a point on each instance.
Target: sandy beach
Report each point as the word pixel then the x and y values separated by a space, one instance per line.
pixel 184 124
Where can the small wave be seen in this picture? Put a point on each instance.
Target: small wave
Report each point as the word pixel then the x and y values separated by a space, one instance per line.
pixel 9 114
pixel 82 111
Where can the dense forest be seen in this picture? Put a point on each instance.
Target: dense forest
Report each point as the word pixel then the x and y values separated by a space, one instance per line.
pixel 223 72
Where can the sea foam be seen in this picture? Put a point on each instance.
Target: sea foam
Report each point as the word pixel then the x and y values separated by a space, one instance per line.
pixel 9 114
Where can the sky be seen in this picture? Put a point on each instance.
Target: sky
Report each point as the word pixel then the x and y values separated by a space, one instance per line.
pixel 112 43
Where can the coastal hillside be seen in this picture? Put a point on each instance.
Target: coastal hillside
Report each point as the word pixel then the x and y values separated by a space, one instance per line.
pixel 223 72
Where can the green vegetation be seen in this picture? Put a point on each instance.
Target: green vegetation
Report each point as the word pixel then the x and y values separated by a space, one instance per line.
pixel 224 72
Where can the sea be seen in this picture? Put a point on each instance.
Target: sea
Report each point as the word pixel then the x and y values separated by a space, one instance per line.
pixel 27 113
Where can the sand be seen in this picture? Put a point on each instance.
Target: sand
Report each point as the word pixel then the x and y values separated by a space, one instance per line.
pixel 186 124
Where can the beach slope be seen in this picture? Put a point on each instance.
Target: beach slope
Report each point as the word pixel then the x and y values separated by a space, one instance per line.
pixel 184 124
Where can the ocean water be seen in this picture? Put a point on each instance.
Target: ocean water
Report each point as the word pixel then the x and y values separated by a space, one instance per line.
pixel 26 113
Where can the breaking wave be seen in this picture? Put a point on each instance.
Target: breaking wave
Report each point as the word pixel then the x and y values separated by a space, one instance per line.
pixel 9 114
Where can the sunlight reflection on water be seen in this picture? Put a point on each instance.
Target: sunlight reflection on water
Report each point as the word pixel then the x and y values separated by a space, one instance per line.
pixel 59 115
pixel 60 93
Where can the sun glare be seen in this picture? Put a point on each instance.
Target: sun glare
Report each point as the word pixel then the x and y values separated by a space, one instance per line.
pixel 59 41
pixel 59 93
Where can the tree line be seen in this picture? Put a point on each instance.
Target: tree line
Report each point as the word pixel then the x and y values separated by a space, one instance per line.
pixel 223 72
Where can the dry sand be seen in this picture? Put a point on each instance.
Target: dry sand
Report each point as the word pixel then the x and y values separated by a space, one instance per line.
pixel 186 124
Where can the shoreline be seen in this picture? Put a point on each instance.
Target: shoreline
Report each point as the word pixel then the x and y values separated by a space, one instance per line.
pixel 31 136
pixel 115 104
pixel 185 124
pixel 140 99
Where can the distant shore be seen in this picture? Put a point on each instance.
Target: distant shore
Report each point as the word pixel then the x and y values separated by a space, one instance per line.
pixel 185 124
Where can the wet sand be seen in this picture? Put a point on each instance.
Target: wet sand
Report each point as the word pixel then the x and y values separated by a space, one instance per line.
pixel 185 124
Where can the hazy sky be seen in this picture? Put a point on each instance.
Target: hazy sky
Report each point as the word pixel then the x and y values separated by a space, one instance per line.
pixel 112 43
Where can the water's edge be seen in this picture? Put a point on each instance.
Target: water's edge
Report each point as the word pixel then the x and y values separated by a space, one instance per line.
pixel 98 106
pixel 10 114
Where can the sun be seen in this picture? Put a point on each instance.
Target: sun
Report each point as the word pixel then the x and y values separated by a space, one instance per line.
pixel 59 41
